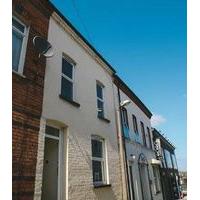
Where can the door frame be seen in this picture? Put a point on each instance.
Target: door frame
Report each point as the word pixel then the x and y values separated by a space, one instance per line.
pixel 60 157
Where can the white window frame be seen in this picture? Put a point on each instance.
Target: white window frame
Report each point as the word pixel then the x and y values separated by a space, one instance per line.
pixel 101 99
pixel 24 44
pixel 60 158
pixel 67 78
pixel 102 160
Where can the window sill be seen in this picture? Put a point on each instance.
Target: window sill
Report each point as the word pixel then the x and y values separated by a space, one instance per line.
pixel 18 74
pixel 103 119
pixel 70 101
pixel 101 185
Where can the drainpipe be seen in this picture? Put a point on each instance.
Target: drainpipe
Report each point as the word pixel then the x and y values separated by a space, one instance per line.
pixel 123 153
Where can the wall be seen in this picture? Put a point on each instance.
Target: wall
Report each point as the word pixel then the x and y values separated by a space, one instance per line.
pixel 80 122
pixel 27 99
pixel 134 148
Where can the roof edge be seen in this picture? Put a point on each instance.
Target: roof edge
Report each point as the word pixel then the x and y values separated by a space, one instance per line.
pixel 81 36
pixel 119 82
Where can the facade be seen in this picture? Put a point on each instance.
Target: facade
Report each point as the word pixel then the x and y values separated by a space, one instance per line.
pixel 78 154
pixel 165 152
pixel 142 166
pixel 30 18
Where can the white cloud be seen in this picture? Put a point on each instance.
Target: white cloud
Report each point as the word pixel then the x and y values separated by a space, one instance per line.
pixel 157 119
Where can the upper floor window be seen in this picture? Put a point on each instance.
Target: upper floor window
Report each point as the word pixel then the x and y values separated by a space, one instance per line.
pixel 100 100
pixel 19 41
pixel 149 136
pixel 67 82
pixel 168 158
pixel 143 133
pixel 174 161
pixel 125 117
pixel 135 127
pixel 98 160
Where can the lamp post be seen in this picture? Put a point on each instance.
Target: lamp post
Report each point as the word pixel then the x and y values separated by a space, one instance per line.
pixel 123 154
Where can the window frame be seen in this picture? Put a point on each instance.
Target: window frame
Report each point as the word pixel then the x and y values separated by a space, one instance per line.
pixel 143 133
pixel 71 80
pixel 102 160
pixel 24 44
pixel 126 117
pixel 135 125
pixel 149 136
pixel 100 99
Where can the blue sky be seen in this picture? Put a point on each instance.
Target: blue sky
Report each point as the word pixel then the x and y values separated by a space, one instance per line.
pixel 145 41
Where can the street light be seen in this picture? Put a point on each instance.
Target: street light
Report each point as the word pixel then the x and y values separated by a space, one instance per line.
pixel 125 103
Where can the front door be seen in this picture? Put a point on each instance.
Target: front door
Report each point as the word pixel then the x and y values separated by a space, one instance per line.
pixel 144 179
pixel 51 165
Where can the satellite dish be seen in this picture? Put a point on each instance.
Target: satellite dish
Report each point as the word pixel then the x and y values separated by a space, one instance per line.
pixel 43 46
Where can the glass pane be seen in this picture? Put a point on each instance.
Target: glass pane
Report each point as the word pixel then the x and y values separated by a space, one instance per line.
pixel 99 91
pixel 97 171
pixel 97 149
pixel 17 25
pixel 168 158
pixel 16 49
pixel 100 108
pixel 67 68
pixel 52 131
pixel 67 89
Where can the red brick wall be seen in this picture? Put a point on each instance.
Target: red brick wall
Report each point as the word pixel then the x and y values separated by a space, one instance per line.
pixel 27 98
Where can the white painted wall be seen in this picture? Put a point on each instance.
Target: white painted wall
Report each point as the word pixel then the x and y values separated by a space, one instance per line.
pixel 81 123
pixel 135 148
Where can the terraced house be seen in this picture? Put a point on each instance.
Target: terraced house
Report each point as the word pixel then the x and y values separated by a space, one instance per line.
pixel 77 148
pixel 141 166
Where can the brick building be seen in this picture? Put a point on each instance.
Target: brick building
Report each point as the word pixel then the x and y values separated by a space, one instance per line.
pixel 30 18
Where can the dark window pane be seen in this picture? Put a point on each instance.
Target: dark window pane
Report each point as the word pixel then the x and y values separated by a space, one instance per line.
pixel 52 131
pixel 135 124
pixel 67 68
pixel 17 40
pixel 100 108
pixel 17 25
pixel 67 89
pixel 143 134
pixel 97 149
pixel 97 171
pixel 99 91
pixel 125 117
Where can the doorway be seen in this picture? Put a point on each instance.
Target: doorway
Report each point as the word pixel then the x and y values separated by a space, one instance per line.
pixel 144 178
pixel 131 182
pixel 51 164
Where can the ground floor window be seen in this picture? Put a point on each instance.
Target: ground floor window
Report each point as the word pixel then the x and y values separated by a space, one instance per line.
pixel 98 160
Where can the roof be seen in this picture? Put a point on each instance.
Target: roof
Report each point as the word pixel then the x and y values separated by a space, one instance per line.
pixel 81 36
pixel 164 140
pixel 119 82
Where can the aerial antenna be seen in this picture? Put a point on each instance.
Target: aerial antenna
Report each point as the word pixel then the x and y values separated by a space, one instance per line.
pixel 43 47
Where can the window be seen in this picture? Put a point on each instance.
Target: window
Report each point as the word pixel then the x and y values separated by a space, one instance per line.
pixel 100 101
pixel 168 158
pixel 174 161
pixel 143 134
pixel 98 160
pixel 156 178
pixel 19 40
pixel 125 117
pixel 135 127
pixel 67 82
pixel 149 135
